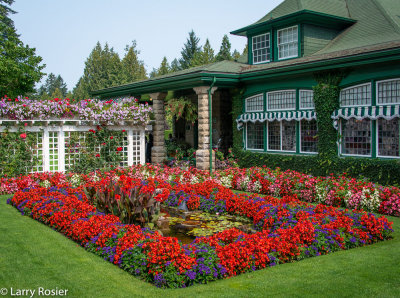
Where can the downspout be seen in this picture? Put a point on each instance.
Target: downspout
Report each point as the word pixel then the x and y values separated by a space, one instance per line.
pixel 210 119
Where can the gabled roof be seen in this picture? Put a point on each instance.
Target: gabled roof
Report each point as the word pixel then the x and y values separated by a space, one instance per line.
pixel 375 36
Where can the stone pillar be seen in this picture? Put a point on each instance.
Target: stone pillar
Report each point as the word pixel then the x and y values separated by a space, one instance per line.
pixel 203 153
pixel 158 152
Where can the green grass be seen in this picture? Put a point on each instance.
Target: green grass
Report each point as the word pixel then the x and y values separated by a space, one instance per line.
pixel 32 255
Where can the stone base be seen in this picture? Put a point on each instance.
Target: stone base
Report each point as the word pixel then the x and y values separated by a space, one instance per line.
pixel 158 154
pixel 203 159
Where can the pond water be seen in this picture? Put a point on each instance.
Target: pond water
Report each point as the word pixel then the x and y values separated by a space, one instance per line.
pixel 190 224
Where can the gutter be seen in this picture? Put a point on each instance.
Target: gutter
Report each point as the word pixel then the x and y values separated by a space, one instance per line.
pixel 210 119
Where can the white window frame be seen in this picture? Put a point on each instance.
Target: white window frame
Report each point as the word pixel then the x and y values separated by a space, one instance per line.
pixel 351 87
pixel 281 137
pixel 341 141
pixel 269 47
pixel 251 149
pixel 305 152
pixel 306 90
pixel 251 97
pixel 279 91
pixel 377 142
pixel 377 93
pixel 277 42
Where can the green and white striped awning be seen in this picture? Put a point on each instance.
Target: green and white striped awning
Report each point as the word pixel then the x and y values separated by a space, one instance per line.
pixel 272 116
pixel 373 113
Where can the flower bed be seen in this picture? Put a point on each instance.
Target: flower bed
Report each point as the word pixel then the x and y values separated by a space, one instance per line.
pixel 337 191
pixel 288 230
pixel 88 109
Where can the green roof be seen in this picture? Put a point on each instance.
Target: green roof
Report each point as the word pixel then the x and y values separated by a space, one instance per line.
pixel 374 35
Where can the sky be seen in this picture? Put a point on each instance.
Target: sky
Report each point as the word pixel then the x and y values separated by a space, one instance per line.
pixel 64 32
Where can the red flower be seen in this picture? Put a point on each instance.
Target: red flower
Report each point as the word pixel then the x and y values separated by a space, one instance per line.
pixel 111 137
pixel 22 136
pixel 97 155
pixel 119 149
pixel 123 130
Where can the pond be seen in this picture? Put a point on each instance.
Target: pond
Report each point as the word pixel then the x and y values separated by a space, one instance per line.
pixel 187 225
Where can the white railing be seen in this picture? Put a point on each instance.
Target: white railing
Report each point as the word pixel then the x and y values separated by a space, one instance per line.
pixel 52 146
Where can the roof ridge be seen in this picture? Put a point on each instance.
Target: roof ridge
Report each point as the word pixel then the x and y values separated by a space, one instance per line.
pixel 386 15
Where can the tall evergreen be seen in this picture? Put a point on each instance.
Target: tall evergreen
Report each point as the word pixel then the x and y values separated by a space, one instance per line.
pixel 175 65
pixel 20 67
pixel 103 68
pixel 225 50
pixel 164 67
pixel 52 83
pixel 190 48
pixel 205 56
pixel 133 68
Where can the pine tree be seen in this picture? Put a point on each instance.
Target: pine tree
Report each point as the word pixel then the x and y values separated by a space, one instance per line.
pixel 52 83
pixel 175 65
pixel 225 50
pixel 57 94
pixel 235 55
pixel 164 67
pixel 102 69
pixel 190 48
pixel 133 68
pixel 205 56
pixel 20 67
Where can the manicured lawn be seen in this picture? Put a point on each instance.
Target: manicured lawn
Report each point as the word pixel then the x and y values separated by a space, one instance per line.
pixel 32 255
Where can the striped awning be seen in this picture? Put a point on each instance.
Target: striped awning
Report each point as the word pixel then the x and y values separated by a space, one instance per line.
pixel 272 116
pixel 373 113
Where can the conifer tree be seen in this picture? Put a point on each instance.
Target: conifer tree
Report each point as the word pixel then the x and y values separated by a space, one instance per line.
pixel 225 50
pixel 190 48
pixel 205 56
pixel 133 68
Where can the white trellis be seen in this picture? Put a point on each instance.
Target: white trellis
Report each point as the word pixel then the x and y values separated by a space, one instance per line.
pixel 52 139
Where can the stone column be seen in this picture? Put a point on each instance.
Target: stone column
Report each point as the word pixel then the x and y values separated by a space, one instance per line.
pixel 158 152
pixel 203 153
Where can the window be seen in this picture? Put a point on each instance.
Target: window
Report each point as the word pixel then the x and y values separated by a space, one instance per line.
pixel 308 136
pixel 388 138
pixel 282 136
pixel 288 43
pixel 306 99
pixel 281 100
pixel 356 96
pixel 255 136
pixel 388 92
pixel 356 137
pixel 261 48
pixel 255 103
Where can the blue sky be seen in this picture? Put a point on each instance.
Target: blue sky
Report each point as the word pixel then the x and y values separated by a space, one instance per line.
pixel 64 32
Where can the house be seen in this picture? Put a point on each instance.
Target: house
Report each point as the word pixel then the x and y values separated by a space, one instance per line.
pixel 320 78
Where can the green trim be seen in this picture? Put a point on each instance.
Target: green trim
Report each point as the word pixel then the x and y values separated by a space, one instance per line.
pixel 373 139
pixel 313 17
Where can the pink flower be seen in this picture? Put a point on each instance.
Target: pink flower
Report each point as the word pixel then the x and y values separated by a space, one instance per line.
pixel 22 136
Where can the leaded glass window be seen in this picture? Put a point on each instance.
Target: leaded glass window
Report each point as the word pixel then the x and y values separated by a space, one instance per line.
pixel 281 100
pixel 356 137
pixel 255 136
pixel 274 135
pixel 282 136
pixel 388 92
pixel 388 137
pixel 308 136
pixel 288 43
pixel 356 96
pixel 255 103
pixel 261 48
pixel 306 99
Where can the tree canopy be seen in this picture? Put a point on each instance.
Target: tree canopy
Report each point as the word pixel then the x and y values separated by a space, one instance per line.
pixel 20 67
pixel 189 50
pixel 225 50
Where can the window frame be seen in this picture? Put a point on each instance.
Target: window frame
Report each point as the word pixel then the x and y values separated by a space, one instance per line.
pixel 277 43
pixel 247 139
pixel 253 96
pixel 269 47
pixel 278 91
pixel 377 141
pixel 377 93
pixel 308 90
pixel 352 87
pixel 341 140
pixel 307 152
pixel 281 137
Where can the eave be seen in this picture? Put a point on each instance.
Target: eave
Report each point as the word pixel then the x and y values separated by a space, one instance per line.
pixel 303 16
